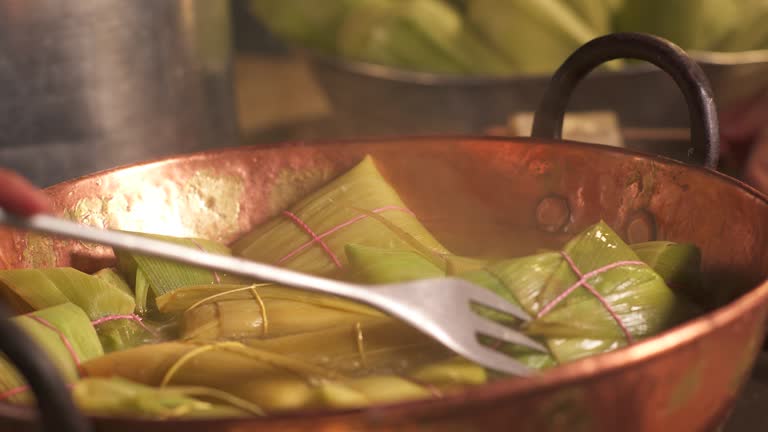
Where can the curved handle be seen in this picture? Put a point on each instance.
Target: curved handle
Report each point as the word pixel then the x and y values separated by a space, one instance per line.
pixel 689 77
pixel 57 411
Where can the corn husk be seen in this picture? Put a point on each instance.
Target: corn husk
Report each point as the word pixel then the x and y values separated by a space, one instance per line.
pixel 373 265
pixel 360 392
pixel 64 333
pixel 271 381
pixel 379 31
pixel 236 312
pixel 42 288
pixel 163 276
pixel 427 35
pixel 595 13
pixel 129 331
pixel 532 359
pixel 581 325
pixel 117 397
pixel 185 298
pixel 376 265
pixel 141 290
pixel 240 319
pixel 381 266
pixel 112 276
pixel 452 373
pixel 706 25
pixel 301 21
pixel 571 349
pixel 370 346
pixel 550 28
pixel 282 241
pixel 637 294
pixel 456 265
pixel 488 280
pixel 679 264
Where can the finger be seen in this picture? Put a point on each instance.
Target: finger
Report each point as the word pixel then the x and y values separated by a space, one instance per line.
pixel 745 123
pixel 19 196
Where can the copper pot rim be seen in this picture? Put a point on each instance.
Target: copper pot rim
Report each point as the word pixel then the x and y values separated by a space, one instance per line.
pixel 395 140
pixel 564 375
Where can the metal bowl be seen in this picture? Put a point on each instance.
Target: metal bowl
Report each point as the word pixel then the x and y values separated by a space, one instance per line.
pixel 469 192
pixel 375 100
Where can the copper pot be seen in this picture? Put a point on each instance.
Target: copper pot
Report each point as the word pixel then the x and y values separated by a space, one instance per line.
pixel 508 195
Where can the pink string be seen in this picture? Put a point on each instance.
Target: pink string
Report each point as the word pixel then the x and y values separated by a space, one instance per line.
pixel 132 317
pixel 13 392
pixel 63 338
pixel 21 389
pixel 584 281
pixel 319 238
pixel 314 236
pixel 215 274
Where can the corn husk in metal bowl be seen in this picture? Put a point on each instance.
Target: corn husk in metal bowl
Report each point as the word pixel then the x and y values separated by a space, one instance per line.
pixel 375 100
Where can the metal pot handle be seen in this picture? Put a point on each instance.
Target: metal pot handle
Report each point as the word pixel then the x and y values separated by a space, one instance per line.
pixel 689 77
pixel 57 411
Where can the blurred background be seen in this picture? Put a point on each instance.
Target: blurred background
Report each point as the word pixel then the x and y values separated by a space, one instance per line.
pixel 92 85
pixel 358 68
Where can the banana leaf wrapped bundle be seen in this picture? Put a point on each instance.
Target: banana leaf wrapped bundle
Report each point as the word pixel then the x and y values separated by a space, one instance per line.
pixel 118 332
pixel 331 332
pixel 124 398
pixel 450 373
pixel 269 380
pixel 113 277
pixel 360 392
pixel 373 345
pixel 65 335
pixel 679 264
pixel 594 296
pixel 105 297
pixel 239 319
pixel 33 289
pixel 273 382
pixel 433 380
pixel 381 266
pixel 237 312
pixel 311 235
pixel 157 276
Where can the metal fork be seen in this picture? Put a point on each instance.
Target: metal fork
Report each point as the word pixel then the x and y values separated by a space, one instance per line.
pixel 438 307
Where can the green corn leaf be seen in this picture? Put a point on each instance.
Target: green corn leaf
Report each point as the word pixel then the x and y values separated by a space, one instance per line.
pixel 64 333
pixel 43 288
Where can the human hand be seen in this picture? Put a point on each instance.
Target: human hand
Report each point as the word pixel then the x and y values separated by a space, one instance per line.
pixel 744 134
pixel 19 196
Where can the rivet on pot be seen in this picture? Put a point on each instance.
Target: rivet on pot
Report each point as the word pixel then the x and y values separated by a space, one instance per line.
pixel 641 227
pixel 552 213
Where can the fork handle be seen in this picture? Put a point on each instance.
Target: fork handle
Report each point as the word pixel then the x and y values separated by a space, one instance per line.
pixel 162 249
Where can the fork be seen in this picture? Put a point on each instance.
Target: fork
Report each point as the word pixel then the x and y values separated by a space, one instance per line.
pixel 438 307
